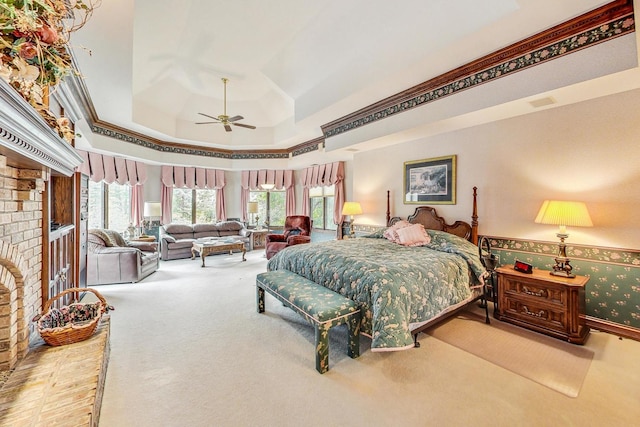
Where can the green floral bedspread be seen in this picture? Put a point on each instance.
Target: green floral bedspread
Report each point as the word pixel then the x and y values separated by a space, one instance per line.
pixel 394 285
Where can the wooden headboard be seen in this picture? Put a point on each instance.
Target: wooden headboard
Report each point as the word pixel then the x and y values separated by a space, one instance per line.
pixel 427 216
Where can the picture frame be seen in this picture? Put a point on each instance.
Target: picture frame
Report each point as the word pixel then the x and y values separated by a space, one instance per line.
pixel 431 181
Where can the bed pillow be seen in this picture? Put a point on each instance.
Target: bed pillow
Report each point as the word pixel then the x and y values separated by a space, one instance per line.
pixel 414 235
pixel 391 232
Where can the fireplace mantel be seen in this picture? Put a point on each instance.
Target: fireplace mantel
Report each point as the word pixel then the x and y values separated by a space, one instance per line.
pixel 26 139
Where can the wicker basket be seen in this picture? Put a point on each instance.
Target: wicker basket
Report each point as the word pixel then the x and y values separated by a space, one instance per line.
pixel 73 323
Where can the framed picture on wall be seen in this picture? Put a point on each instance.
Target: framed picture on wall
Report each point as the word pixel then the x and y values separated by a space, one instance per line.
pixel 431 181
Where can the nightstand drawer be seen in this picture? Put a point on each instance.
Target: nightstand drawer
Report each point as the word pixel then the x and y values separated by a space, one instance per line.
pixel 538 291
pixel 540 314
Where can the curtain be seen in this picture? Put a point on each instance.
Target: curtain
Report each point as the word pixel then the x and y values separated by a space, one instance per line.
pixel 137 203
pixel 323 176
pixel 190 177
pixel 281 179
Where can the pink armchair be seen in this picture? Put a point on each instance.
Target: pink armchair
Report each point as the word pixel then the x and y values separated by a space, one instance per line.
pixel 297 230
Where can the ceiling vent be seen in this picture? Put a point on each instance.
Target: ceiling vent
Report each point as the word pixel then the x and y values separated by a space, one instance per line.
pixel 537 103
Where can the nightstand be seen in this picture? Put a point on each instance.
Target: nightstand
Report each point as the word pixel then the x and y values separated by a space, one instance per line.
pixel 543 303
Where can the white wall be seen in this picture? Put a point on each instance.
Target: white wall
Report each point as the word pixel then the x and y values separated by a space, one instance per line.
pixel 588 151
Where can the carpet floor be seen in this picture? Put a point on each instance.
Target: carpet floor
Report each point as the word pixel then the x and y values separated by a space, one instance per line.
pixel 189 349
pixel 559 365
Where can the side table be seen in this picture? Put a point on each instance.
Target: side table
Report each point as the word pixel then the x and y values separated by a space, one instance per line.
pixel 259 237
pixel 544 303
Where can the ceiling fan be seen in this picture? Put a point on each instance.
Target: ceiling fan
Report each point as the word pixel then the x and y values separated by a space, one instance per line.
pixel 223 118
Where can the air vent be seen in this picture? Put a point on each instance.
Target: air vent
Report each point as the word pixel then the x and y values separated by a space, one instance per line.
pixel 537 103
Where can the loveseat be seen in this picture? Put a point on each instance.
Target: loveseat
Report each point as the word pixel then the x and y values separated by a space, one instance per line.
pixel 111 259
pixel 176 240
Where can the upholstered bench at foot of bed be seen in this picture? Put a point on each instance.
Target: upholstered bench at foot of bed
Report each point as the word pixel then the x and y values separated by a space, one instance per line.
pixel 322 307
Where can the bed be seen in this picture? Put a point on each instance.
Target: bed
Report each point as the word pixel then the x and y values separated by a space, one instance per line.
pixel 401 290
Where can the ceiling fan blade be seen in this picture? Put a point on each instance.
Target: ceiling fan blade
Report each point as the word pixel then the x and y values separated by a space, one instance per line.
pixel 211 117
pixel 227 127
pixel 207 123
pixel 243 125
pixel 235 118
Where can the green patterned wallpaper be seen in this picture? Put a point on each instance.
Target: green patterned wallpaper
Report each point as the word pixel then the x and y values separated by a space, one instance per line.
pixel 613 291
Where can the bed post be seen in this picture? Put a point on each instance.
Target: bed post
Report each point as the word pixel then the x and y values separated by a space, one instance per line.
pixel 474 217
pixel 388 209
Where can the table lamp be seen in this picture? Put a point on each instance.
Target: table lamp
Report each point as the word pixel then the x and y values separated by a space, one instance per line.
pixel 252 208
pixel 151 211
pixel 563 214
pixel 351 209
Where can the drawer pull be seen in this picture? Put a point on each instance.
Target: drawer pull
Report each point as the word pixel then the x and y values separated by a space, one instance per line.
pixel 540 313
pixel 543 293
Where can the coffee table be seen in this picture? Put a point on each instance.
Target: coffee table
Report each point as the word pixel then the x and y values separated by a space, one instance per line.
pixel 205 248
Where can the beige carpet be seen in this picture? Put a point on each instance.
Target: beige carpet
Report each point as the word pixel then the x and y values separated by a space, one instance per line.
pixel 556 364
pixel 189 349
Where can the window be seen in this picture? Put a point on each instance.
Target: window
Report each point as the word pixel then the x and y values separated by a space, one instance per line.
pixel 109 206
pixel 322 206
pixel 271 207
pixel 193 206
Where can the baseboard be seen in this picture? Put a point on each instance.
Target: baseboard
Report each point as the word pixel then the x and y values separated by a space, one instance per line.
pixel 613 328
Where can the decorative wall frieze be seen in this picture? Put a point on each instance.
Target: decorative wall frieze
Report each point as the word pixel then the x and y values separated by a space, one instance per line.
pixel 307 147
pixel 193 150
pixel 606 23
pixel 621 257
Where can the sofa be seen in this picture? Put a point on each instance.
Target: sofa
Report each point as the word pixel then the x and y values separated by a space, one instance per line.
pixel 176 240
pixel 111 259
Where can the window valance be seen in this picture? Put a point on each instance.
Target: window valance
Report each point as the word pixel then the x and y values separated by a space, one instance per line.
pixel 253 180
pixel 322 175
pixel 190 177
pixel 101 167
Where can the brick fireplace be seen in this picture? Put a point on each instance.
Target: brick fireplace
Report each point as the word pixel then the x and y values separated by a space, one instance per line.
pixel 20 258
pixel 29 152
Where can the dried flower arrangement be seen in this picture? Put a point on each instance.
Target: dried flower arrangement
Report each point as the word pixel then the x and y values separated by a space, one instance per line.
pixel 34 46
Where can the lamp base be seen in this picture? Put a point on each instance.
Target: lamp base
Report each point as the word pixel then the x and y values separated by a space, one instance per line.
pixel 562 268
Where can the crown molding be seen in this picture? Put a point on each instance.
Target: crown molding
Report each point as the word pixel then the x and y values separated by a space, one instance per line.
pixel 27 140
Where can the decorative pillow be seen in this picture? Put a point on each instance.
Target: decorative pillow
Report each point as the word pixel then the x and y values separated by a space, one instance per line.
pixel 116 238
pixel 391 232
pixel 102 235
pixel 414 235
